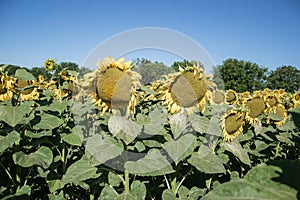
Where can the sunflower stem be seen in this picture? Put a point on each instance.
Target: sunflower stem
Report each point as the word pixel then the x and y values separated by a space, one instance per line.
pixel 127 190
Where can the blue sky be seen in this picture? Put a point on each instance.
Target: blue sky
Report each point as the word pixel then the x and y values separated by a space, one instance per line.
pixel 262 31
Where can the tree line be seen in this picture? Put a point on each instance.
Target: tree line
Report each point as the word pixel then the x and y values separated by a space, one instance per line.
pixel 238 75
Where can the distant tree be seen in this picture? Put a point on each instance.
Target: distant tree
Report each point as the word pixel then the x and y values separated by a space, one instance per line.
pixel 68 66
pixel 240 75
pixel 36 71
pixel 285 77
pixel 11 69
pixel 183 63
pixel 152 71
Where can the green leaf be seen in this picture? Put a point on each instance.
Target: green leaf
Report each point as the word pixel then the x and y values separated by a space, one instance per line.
pixel 103 148
pixel 114 179
pixel 48 121
pixel 24 190
pixel 55 185
pixel 58 106
pixel 79 171
pixel 209 163
pixel 123 128
pixel 199 123
pixel 24 75
pixel 168 194
pixel 74 138
pixel 38 134
pixel 153 164
pixel 178 124
pixel 278 180
pixel 275 117
pixel 13 115
pixel 108 193
pixel 42 157
pixel 126 196
pixel 138 189
pixel 214 126
pixel 237 150
pixel 154 123
pixel 186 143
pixel 196 193
pixel 9 140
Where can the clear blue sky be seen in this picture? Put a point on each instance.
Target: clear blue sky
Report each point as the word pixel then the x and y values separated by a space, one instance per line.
pixel 266 32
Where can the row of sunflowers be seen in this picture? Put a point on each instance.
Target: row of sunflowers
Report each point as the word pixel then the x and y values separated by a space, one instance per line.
pixel 114 86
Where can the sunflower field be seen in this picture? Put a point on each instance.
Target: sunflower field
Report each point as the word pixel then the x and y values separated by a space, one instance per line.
pixel 107 136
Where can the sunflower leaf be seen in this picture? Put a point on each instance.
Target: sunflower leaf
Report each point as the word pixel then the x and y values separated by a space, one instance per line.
pixel 178 123
pixel 13 115
pixel 237 150
pixel 24 75
pixel 48 121
pixel 9 140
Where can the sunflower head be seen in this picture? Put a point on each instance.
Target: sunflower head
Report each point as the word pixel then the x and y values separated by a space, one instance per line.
pixel 27 90
pixel 112 86
pixel 50 64
pixel 232 124
pixel 296 99
pixel 231 97
pixel 281 112
pixel 256 106
pixel 271 99
pixel 218 97
pixel 187 89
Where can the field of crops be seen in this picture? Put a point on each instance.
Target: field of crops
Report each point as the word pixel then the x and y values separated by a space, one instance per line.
pixel 106 136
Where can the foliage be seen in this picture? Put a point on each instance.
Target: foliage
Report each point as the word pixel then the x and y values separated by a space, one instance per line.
pixel 240 75
pixel 285 77
pixel 56 148
pixel 177 64
pixel 152 71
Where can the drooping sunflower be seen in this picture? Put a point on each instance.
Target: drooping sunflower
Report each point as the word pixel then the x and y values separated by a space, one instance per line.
pixel 242 96
pixel 187 89
pixel 112 86
pixel 296 99
pixel 256 106
pixel 27 89
pixel 6 86
pixel 271 100
pixel 280 111
pixel 218 97
pixel 232 124
pixel 231 97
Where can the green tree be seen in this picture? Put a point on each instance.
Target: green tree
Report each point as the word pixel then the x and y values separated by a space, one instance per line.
pixel 152 71
pixel 285 77
pixel 241 75
pixel 36 71
pixel 183 63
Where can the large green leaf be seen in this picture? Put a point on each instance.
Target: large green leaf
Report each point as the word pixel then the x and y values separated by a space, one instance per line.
pixel 38 134
pixel 237 150
pixel 23 74
pixel 154 123
pixel 103 148
pixel 80 171
pixel 74 138
pixel 279 180
pixel 138 189
pixel 13 115
pixel 42 157
pixel 24 190
pixel 48 121
pixel 108 193
pixel 123 128
pixel 9 140
pixel 153 164
pixel 199 123
pixel 214 126
pixel 168 194
pixel 187 143
pixel 178 124
pixel 209 163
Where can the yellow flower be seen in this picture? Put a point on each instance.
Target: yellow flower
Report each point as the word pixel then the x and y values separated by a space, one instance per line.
pixel 232 124
pixel 256 106
pixel 50 64
pixel 112 86
pixel 6 87
pixel 271 99
pixel 218 97
pixel 231 97
pixel 281 111
pixel 187 89
pixel 27 94
pixel 296 99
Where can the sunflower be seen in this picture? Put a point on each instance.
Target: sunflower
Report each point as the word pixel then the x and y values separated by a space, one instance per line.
pixel 112 86
pixel 232 124
pixel 218 97
pixel 50 64
pixel 280 111
pixel 271 100
pixel 27 90
pixel 256 106
pixel 231 97
pixel 296 99
pixel 187 89
pixel 6 93
pixel 242 96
